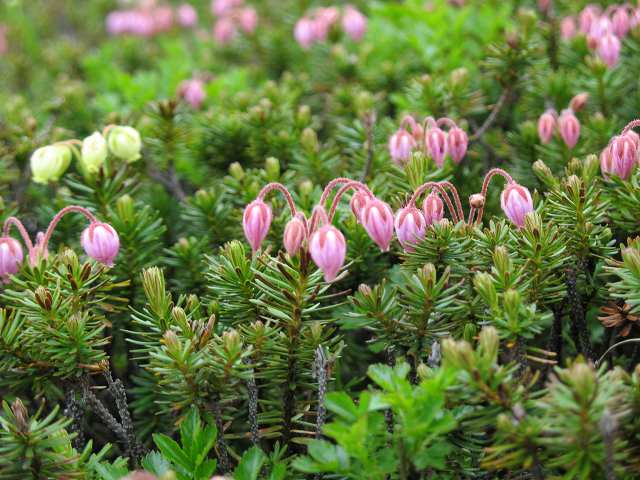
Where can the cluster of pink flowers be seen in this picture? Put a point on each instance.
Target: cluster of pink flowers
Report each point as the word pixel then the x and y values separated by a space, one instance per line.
pixel 150 18
pixel 99 240
pixel 430 138
pixel 567 124
pixel 232 16
pixel 315 27
pixel 192 91
pixel 603 29
pixel 326 244
pixel 621 156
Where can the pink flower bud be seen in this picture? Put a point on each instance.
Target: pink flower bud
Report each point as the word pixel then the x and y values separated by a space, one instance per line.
pixel 354 23
pixel 621 22
pixel 256 221
pixel 516 203
pixel 457 142
pixel 588 17
pixel 304 33
pixel 294 234
pixel 187 15
pixel 606 162
pixel 624 153
pixel 377 220
pixel 578 102
pixel 224 7
pixel 546 126
pixel 401 144
pixel 600 27
pixel 224 30
pixel 10 258
pixel 544 5
pixel 433 208
pixel 248 20
pixel 437 145
pixel 609 49
pixel 330 15
pixel 568 28
pixel 162 18
pixel 358 201
pixel 192 92
pixel 328 250
pixel 410 227
pixel 100 241
pixel 569 127
pixel 321 28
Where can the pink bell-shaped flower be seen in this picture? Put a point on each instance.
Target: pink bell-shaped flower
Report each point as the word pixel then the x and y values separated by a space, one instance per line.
pixel 457 142
pixel 192 92
pixel 621 21
pixel 256 221
pixel 328 250
pixel 606 162
pixel 401 144
pixel 354 23
pixel 248 19
pixel 569 127
pixel 433 208
pixel 410 227
pixel 358 201
pixel 224 30
pixel 11 257
pixel 609 49
pixel 304 33
pixel 516 203
pixel 186 15
pixel 437 145
pixel 377 220
pixel 624 154
pixel 546 126
pixel 568 28
pixel 100 241
pixel 294 234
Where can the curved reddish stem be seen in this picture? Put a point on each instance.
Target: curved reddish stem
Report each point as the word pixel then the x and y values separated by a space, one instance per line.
pixel 43 243
pixel 408 119
pixel 446 121
pixel 15 222
pixel 337 181
pixel 632 124
pixel 336 199
pixel 319 214
pixel 485 186
pixel 434 185
pixel 282 189
pixel 456 197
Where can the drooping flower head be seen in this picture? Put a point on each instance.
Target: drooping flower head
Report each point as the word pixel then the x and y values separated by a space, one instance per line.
pixel 328 250
pixel 358 201
pixel 354 23
pixel 101 242
pixel 248 19
pixel 433 208
pixel 192 91
pixel 295 234
pixel 125 143
pixel 621 21
pixel 516 203
pixel 256 221
pixel 437 144
pixel 94 152
pixel 377 220
pixel 410 227
pixel 49 163
pixel 187 16
pixel 546 126
pixel 568 28
pixel 569 127
pixel 624 156
pixel 401 144
pixel 609 49
pixel 224 30
pixel 304 33
pixel 10 258
pixel 457 143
